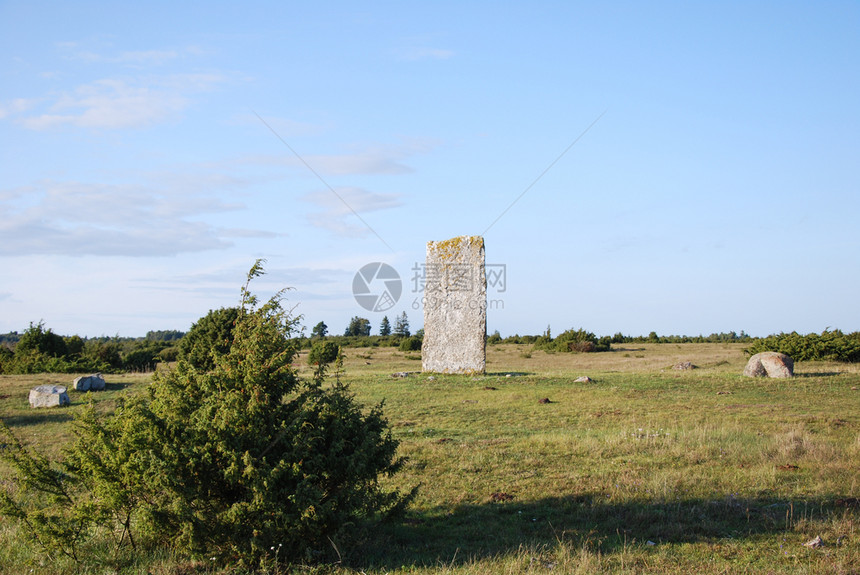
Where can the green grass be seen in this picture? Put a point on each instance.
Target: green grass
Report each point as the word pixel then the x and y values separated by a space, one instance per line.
pixel 646 469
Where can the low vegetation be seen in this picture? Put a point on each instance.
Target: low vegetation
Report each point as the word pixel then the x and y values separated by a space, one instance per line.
pixel 828 346
pixel 575 340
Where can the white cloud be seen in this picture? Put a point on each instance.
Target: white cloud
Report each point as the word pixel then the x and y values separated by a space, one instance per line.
pixel 73 218
pixel 360 163
pixel 121 103
pixel 372 160
pixel 16 106
pixel 341 206
pixel 369 162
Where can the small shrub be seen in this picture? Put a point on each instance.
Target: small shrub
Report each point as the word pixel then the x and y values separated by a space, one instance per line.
pixel 410 344
pixel 573 340
pixel 582 346
pixel 323 353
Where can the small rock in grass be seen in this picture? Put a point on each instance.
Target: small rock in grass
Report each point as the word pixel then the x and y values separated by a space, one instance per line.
pixel 684 366
pixel 583 379
pixel 544 400
pixel 814 543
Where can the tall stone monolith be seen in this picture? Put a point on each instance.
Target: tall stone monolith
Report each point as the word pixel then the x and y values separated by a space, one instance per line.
pixel 455 307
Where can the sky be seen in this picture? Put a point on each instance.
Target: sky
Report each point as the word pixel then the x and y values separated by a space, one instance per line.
pixel 678 167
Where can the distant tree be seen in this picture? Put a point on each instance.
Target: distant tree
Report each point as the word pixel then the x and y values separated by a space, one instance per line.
pixel 74 346
pixel 140 360
pixel 10 338
pixel 358 326
pixel 6 358
pixel 164 335
pixel 384 326
pixel 40 340
pixel 401 325
pixel 320 330
pixel 209 337
pixel 104 352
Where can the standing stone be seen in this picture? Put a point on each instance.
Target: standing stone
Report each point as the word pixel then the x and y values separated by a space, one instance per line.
pixel 49 396
pixel 455 307
pixel 769 364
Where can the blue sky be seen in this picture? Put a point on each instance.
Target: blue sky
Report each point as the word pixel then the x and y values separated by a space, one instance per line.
pixel 703 160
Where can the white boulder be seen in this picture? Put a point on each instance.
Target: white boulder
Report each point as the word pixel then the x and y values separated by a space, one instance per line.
pixel 49 396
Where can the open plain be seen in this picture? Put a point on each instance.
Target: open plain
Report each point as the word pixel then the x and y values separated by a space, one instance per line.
pixel 643 469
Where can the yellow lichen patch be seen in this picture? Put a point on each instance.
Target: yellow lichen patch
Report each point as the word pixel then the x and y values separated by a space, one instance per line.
pixel 448 249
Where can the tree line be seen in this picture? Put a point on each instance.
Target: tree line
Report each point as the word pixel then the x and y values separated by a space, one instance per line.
pixel 40 350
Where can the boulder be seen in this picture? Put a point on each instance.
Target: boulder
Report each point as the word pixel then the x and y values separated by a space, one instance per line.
pixel 93 382
pixel 49 396
pixel 769 364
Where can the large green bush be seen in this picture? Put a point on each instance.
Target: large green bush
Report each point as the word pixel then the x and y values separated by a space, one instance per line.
pixel 225 463
pixel 829 345
pixel 578 340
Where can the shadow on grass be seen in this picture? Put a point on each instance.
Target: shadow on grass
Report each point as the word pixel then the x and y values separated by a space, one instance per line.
pixel 818 374
pixel 115 386
pixel 37 418
pixel 475 532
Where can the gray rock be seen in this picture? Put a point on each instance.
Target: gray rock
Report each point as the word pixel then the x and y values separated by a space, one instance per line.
pixel 583 379
pixel 684 366
pixel 455 307
pixel 769 364
pixel 49 396
pixel 94 382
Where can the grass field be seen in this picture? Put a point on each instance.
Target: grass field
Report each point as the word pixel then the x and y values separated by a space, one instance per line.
pixel 645 469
